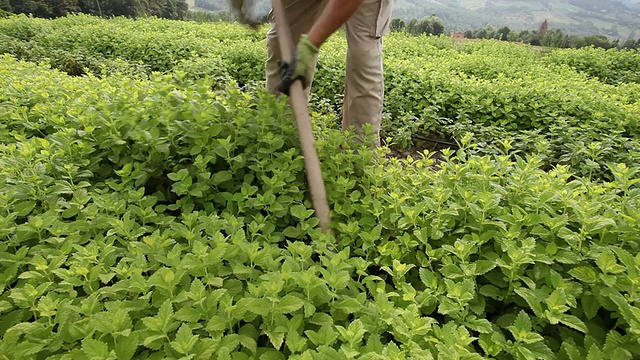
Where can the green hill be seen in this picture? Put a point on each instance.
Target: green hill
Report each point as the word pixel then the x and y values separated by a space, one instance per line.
pixel 614 18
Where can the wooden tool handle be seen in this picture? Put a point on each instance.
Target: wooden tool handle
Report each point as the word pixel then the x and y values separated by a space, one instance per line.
pixel 298 103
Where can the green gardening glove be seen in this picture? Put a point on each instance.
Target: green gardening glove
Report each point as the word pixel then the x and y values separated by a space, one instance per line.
pixel 301 66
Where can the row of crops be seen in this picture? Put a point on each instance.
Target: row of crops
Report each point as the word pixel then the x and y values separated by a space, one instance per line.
pixel 154 204
pixel 574 107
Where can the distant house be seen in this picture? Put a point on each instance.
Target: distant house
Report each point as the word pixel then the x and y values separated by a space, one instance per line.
pixel 457 35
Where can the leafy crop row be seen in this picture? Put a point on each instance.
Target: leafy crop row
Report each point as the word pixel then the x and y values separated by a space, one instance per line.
pixel 156 219
pixel 509 96
pixel 610 66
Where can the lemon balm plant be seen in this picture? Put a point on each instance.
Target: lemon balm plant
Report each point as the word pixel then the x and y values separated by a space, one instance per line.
pixel 561 102
pixel 164 219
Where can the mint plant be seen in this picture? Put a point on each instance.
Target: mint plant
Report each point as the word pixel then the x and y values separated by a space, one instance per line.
pixel 167 216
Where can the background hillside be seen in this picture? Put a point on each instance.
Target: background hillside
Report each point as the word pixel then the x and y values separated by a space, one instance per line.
pixel 613 18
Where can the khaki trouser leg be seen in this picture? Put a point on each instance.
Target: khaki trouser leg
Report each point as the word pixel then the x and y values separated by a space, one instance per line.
pixel 364 85
pixel 300 14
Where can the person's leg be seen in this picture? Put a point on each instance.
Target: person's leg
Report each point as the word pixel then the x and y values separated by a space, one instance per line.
pixel 364 86
pixel 300 14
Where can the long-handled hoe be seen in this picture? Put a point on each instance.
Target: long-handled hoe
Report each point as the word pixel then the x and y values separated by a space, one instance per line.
pixel 298 103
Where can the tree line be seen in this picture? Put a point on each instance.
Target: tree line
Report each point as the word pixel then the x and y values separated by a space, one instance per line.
pixel 550 38
pixel 556 38
pixel 169 9
pixel 430 25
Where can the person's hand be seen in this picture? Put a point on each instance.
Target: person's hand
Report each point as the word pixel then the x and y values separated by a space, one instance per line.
pixel 242 10
pixel 301 66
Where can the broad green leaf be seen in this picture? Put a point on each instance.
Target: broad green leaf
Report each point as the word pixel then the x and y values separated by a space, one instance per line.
pixel 572 322
pixel 590 306
pixel 188 314
pixel 348 305
pixel 452 271
pixel 480 325
pixel 289 304
pixel 95 349
pixel 571 350
pixel 276 338
pixel 126 346
pixel 628 260
pixel 184 341
pixel 24 208
pixel 249 343
pixel 354 333
pixel 5 305
pixel 484 266
pixel 532 300
pixel 521 325
pixel 594 353
pixel 163 322
pixel 428 278
pixel 493 344
pixel 624 307
pixel 447 306
pixel 557 301
pixel 221 177
pixel 601 223
pixel 551 248
pixel 216 324
pixel 154 342
pixel 28 349
pixel 325 336
pixel 535 351
pixel 301 212
pixel 491 291
pixel 608 263
pixel 584 274
pixel 260 306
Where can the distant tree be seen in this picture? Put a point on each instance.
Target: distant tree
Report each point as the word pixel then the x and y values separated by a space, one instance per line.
pixel 209 16
pixel 468 34
pixel 5 5
pixel 488 32
pixel 397 24
pixel 513 36
pixel 412 26
pixel 571 41
pixel 543 27
pixel 430 25
pixel 629 44
pixel 554 38
pixel 424 27
pixel 23 7
pixel 172 9
pixel 60 8
pixel 530 37
pixel 597 41
pixel 504 33
pixel 436 26
pixel 90 7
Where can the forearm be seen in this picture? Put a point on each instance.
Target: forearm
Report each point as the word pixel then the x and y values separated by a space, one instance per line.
pixel 335 14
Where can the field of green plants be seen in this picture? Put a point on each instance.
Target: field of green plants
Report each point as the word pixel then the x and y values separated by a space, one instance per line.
pixel 154 202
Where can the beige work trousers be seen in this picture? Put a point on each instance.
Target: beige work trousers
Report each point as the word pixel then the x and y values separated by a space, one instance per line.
pixel 364 83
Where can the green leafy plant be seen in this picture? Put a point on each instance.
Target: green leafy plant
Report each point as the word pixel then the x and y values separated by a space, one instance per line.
pixel 156 206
